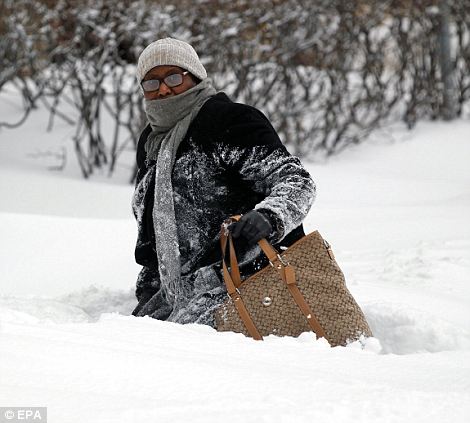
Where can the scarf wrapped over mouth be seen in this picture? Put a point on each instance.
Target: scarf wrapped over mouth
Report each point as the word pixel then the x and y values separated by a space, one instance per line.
pixel 169 119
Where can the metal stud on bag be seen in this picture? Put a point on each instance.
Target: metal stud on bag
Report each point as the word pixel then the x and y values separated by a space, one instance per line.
pixel 267 301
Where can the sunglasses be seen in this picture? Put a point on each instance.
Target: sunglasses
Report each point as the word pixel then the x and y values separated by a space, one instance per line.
pixel 170 81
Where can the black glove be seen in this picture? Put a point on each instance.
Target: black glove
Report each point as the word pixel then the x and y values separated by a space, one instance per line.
pixel 252 227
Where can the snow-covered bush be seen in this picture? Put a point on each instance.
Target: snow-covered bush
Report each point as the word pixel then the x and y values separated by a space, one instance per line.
pixel 326 72
pixel 20 57
pixel 83 54
pixel 92 49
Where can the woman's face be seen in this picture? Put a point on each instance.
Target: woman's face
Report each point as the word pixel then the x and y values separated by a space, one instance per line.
pixel 164 91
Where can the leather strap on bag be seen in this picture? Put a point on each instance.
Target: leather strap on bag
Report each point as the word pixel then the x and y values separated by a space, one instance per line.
pixel 287 274
pixel 234 269
pixel 234 293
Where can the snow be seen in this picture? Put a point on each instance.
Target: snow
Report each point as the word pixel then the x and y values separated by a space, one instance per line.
pixel 395 210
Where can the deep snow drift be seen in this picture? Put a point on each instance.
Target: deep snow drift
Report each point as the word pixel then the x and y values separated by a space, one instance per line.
pixel 395 210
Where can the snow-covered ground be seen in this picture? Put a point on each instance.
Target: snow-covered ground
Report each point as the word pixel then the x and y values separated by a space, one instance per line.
pixel 395 210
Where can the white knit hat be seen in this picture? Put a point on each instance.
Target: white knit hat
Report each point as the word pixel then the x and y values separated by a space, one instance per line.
pixel 169 51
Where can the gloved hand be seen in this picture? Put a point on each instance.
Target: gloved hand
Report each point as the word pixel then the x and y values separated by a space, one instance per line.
pixel 251 227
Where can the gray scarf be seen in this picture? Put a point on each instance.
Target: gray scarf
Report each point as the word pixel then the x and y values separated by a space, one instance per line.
pixel 170 119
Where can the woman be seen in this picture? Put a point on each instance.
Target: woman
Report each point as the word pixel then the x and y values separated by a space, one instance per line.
pixel 201 159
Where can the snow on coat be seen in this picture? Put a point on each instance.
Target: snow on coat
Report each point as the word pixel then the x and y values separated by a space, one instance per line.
pixel 230 162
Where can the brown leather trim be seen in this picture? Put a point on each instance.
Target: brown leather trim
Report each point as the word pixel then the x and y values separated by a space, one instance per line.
pixel 245 316
pixel 234 264
pixel 268 249
pixel 234 269
pixel 288 276
pixel 240 306
pixel 266 268
pixel 234 293
pixel 287 273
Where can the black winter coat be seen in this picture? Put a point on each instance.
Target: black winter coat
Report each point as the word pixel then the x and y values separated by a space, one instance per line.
pixel 230 161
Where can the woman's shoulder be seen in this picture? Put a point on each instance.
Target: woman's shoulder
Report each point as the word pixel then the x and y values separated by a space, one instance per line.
pixel 233 122
pixel 220 103
pixel 221 109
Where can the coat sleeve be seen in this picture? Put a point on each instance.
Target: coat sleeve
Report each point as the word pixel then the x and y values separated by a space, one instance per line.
pixel 254 151
pixel 148 281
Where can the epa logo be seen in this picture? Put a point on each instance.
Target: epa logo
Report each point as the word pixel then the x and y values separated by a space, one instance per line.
pixel 23 414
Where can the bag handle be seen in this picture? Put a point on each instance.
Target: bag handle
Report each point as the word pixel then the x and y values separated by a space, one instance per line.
pixel 232 289
pixel 267 248
pixel 234 268
pixel 232 279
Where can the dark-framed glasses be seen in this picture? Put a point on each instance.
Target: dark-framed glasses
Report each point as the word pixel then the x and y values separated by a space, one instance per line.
pixel 170 81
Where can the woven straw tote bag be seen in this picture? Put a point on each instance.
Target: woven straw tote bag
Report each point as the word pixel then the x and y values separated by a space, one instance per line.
pixel 302 289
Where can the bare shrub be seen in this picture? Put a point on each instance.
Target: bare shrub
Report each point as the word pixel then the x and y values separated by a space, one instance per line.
pixel 326 72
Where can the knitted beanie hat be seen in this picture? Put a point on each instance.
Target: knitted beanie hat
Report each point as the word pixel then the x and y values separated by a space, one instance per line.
pixel 169 51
